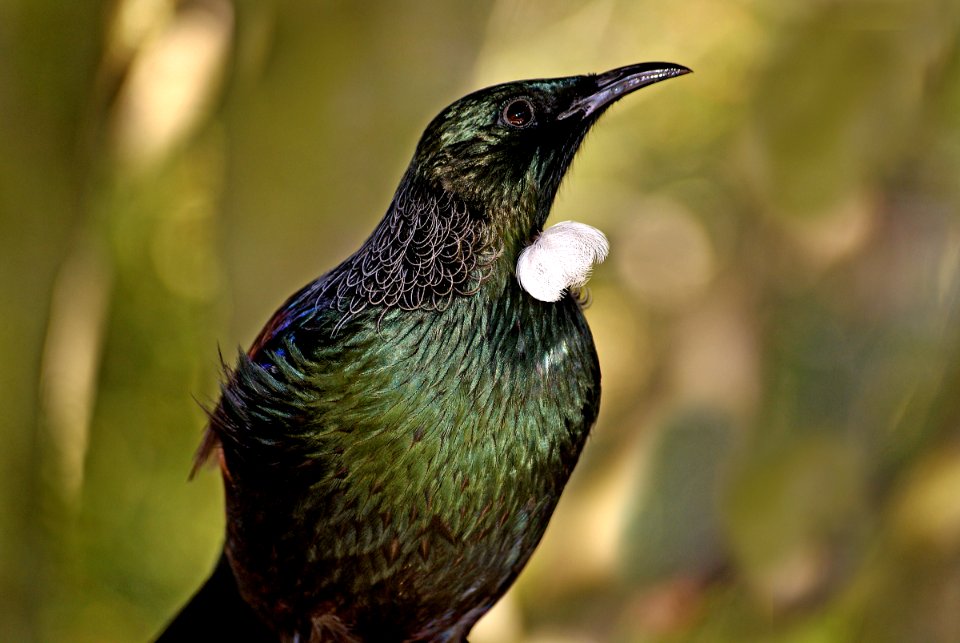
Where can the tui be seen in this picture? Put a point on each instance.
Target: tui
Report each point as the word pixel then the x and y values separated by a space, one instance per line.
pixel 396 439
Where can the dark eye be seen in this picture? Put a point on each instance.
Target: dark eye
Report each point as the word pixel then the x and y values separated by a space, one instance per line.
pixel 518 113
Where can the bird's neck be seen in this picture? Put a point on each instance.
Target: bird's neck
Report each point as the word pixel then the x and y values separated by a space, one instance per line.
pixel 432 248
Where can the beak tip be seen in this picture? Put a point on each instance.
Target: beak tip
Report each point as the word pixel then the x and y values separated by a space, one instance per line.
pixel 671 70
pixel 616 83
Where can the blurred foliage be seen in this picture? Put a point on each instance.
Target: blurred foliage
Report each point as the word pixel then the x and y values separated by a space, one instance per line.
pixel 778 456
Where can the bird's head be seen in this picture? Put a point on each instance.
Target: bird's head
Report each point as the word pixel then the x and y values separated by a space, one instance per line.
pixel 506 148
pixel 476 195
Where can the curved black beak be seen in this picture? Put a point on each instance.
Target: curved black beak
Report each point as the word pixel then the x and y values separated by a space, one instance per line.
pixel 617 83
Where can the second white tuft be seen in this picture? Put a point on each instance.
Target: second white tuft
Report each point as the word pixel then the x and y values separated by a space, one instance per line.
pixel 560 258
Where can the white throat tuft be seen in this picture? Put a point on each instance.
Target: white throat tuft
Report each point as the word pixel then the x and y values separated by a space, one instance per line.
pixel 561 257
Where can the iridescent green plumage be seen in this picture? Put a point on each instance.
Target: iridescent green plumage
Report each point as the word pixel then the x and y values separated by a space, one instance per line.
pixel 395 441
pixel 412 492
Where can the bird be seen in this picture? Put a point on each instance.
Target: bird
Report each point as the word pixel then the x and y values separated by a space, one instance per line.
pixel 396 439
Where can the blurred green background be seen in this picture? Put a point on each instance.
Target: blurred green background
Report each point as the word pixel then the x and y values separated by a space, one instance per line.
pixel 778 453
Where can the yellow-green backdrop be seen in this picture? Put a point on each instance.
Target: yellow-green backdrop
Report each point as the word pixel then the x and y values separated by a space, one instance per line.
pixel 778 452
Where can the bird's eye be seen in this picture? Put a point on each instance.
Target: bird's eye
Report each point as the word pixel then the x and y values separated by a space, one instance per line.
pixel 518 113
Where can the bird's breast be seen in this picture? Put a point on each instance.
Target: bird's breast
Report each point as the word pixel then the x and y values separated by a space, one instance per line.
pixel 434 447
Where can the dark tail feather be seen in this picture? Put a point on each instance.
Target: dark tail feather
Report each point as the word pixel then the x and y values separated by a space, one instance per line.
pixel 217 613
